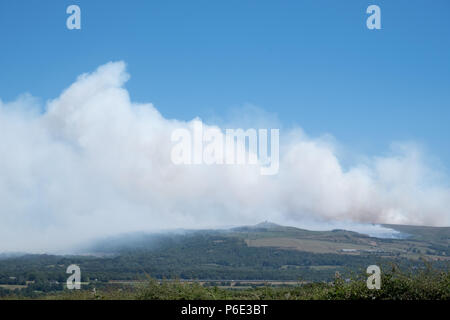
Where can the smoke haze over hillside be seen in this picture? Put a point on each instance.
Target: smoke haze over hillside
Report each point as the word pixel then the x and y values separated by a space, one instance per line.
pixel 95 164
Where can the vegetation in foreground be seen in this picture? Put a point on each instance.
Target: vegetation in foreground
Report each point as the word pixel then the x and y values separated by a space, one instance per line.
pixel 427 284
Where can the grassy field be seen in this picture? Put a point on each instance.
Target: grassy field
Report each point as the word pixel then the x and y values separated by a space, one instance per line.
pixel 419 242
pixel 12 286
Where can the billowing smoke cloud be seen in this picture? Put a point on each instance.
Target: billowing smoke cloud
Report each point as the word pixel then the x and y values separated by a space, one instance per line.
pixel 95 164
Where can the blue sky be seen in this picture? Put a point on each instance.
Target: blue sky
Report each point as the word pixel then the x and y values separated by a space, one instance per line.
pixel 313 63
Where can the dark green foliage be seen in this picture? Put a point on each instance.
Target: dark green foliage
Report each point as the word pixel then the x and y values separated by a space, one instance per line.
pixel 425 285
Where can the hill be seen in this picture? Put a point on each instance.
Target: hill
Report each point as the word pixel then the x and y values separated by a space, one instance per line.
pixel 250 255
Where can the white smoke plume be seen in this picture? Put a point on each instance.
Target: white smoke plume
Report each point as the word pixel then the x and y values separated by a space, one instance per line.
pixel 96 164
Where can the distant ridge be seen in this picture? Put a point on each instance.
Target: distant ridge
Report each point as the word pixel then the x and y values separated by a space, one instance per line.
pixel 265 225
